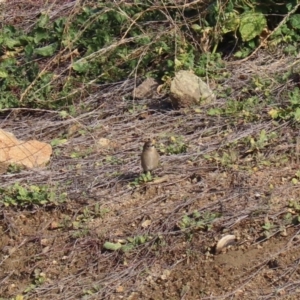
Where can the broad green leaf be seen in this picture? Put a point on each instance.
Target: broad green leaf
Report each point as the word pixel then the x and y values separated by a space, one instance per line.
pixel 127 248
pixel 29 50
pixel 41 34
pixel 231 22
pixel 43 20
pixel 59 25
pixel 273 113
pixel 297 114
pixel 239 54
pixel 112 246
pixel 252 24
pixel 214 111
pixel 295 21
pixel 81 66
pixel 34 188
pixel 196 27
pixel 25 39
pixel 47 50
pixel 289 6
pixel 22 192
pixel 11 43
pixel 140 239
pixel 3 74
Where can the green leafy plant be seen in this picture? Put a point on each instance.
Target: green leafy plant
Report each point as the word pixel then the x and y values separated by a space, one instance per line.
pixel 23 195
pixel 14 168
pixel 143 178
pixel 293 215
pixel 295 179
pixel 112 160
pixel 291 111
pixel 79 232
pixel 176 145
pixel 39 278
pixel 210 65
pixel 227 158
pixel 287 34
pixel 128 244
pixel 198 221
pixel 108 42
pixel 261 141
pixel 249 109
pixel 268 228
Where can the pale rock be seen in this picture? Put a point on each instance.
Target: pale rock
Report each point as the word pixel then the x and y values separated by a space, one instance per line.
pixel 187 89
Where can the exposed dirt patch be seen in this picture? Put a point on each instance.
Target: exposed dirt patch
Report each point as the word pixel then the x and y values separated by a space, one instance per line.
pixel 59 250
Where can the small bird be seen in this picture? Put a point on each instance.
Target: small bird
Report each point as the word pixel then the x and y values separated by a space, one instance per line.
pixel 149 157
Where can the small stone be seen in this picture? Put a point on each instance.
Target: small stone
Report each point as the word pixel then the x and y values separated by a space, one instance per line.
pixel 120 289
pixel 54 225
pixel 165 275
pixel 44 242
pixel 46 249
pixel 147 89
pixel 104 143
pixel 146 223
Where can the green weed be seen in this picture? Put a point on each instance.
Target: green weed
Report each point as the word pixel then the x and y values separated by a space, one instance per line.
pixel 24 195
pixel 143 178
pixel 198 221
pixel 176 145
pixel 291 111
pixel 128 244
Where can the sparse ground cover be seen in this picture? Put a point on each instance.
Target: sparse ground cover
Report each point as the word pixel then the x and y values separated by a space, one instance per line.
pixel 88 226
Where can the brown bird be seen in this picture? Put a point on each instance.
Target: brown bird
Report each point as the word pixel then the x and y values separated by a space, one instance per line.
pixel 149 157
